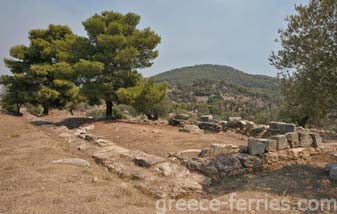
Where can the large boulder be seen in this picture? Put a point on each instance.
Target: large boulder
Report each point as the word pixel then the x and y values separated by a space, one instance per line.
pixel 255 147
pixel 282 142
pixel 219 149
pixel 194 129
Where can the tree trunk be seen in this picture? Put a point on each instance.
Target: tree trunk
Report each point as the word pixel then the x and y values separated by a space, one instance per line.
pixel 303 121
pixel 18 107
pixel 108 112
pixel 45 110
pixel 152 116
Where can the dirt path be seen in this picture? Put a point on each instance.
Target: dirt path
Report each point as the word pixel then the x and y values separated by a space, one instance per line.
pixel 29 183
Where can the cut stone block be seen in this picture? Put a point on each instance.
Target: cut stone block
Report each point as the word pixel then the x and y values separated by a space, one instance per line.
pixel 282 128
pixel 219 149
pixel 206 118
pixel 293 139
pixel 255 147
pixel 305 140
pixel 316 139
pixel 188 154
pixel 282 142
pixel 271 144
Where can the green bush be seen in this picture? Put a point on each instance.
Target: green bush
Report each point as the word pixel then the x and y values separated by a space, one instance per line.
pixel 98 112
pixel 34 110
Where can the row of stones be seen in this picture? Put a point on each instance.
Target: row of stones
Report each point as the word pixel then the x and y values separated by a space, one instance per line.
pixel 235 164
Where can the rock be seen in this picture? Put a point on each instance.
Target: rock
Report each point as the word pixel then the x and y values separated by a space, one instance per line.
pixel 271 144
pixel 183 116
pixel 104 142
pixel 206 118
pixel 174 121
pixel 188 154
pixel 258 130
pixel 316 139
pixel 330 166
pixel 146 160
pixel 282 142
pixel 293 139
pixel 223 123
pixel 228 165
pixel 72 161
pixel 282 128
pixel 305 139
pixel 166 168
pixel 333 174
pixel 90 137
pixel 194 129
pixel 232 119
pixel 219 149
pixel 95 179
pixel 250 161
pixel 255 147
pixel 65 135
pixel 212 126
pixel 243 149
pixel 88 128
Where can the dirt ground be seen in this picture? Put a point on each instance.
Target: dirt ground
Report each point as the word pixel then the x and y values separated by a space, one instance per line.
pixel 29 183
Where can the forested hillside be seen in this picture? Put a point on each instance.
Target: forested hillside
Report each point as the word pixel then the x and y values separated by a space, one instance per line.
pixel 221 90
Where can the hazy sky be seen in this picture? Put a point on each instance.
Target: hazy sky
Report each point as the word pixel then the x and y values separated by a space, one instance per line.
pixel 238 33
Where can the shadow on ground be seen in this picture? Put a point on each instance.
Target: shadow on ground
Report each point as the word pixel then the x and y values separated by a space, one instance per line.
pixel 70 123
pixel 304 181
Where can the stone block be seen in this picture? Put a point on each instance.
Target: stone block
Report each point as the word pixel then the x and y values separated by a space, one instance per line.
pixel 293 139
pixel 316 139
pixel 305 139
pixel 282 142
pixel 219 149
pixel 255 147
pixel 271 144
pixel 206 118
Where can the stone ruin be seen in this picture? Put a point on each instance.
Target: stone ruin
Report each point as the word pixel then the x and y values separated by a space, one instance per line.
pixel 286 145
pixel 193 170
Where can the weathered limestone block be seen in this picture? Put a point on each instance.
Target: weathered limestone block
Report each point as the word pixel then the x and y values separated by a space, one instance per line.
pixel 255 147
pixel 104 142
pixel 206 118
pixel 188 154
pixel 250 161
pixel 305 139
pixel 282 142
pixel 219 149
pixel 258 130
pixel 282 128
pixel 316 139
pixel 194 129
pixel 72 161
pixel 231 119
pixel 293 139
pixel 271 144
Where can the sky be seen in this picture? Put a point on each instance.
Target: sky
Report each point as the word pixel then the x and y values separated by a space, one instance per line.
pixel 237 33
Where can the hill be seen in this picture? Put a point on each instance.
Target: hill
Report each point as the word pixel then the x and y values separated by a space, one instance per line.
pixel 226 90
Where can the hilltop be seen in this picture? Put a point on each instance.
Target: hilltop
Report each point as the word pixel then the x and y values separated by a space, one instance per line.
pixel 223 88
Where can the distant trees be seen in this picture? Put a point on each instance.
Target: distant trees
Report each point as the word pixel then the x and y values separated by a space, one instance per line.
pixel 59 68
pixel 308 61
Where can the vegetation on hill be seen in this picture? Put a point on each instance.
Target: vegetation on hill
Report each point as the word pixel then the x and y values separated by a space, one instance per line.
pixel 222 91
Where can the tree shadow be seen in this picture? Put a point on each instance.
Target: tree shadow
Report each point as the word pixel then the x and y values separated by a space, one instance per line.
pixel 304 181
pixel 70 123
